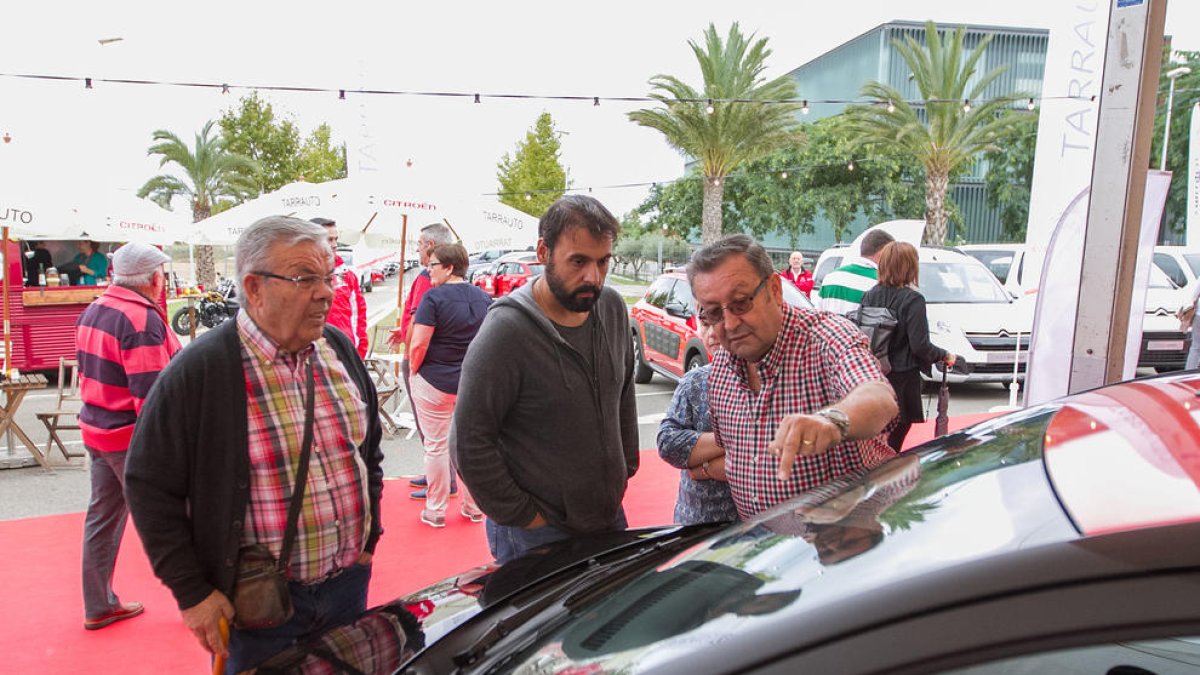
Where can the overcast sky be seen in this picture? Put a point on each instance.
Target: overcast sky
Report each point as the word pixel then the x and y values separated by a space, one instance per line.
pixel 66 139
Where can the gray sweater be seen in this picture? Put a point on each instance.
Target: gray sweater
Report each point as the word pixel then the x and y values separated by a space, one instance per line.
pixel 535 429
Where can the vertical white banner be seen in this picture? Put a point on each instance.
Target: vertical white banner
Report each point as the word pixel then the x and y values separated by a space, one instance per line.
pixel 1062 166
pixel 1153 203
pixel 1192 234
pixel 1062 174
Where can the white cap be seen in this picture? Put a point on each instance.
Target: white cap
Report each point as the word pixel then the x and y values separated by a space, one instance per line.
pixel 133 259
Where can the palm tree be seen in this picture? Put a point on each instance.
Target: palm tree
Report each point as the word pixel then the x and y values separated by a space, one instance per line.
pixel 212 176
pixel 956 126
pixel 737 118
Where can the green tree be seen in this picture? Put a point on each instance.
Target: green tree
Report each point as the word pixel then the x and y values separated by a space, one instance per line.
pixel 210 176
pixel 1010 174
pixel 318 160
pixel 738 129
pixel 252 130
pixel 533 177
pixel 946 134
pixel 1187 93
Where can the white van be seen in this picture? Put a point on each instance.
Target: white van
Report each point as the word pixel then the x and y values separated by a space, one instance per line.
pixel 1164 346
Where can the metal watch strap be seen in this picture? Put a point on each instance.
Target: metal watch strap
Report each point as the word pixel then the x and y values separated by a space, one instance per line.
pixel 839 419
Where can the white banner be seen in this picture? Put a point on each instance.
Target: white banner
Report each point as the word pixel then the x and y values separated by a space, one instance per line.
pixel 1049 369
pixel 1192 234
pixel 1062 166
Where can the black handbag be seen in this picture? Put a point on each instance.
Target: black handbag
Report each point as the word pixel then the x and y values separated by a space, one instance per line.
pixel 260 593
pixel 878 324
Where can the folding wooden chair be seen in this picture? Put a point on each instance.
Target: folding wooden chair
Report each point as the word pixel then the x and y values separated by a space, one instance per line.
pixel 387 385
pixel 63 418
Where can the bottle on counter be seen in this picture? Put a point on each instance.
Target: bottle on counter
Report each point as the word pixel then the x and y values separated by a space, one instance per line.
pixel 41 274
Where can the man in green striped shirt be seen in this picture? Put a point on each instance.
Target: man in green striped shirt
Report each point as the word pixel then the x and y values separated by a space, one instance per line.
pixel 842 289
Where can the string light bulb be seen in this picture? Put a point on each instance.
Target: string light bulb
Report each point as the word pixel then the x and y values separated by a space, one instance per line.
pixel 804 107
pixel 850 166
pixel 528 197
pixel 891 107
pixel 477 98
pixel 224 89
pixel 716 182
pixel 784 175
pixel 966 105
pixel 87 83
pixel 7 138
pixel 709 108
pixel 341 94
pixel 595 101
pixel 1031 105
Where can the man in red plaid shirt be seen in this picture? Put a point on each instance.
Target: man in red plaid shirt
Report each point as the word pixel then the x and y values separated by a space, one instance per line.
pixel 215 454
pixel 796 397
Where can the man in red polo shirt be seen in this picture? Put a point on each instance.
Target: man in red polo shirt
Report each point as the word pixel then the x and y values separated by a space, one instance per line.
pixel 349 310
pixel 123 343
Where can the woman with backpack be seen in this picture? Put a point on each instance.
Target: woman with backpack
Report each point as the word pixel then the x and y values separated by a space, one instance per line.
pixel 910 352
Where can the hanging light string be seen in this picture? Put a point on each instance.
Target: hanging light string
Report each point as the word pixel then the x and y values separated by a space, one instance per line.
pixel 478 97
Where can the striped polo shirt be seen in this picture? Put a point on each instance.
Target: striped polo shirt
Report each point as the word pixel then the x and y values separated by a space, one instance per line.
pixel 122 342
pixel 842 289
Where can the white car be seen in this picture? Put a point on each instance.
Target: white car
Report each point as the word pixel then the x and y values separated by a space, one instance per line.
pixel 1164 346
pixel 969 313
pixel 973 316
pixel 1181 263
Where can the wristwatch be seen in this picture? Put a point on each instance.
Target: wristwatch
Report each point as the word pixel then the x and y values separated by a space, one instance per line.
pixel 839 419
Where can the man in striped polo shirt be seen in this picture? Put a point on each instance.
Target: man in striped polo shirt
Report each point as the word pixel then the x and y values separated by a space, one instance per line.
pixel 123 342
pixel 843 288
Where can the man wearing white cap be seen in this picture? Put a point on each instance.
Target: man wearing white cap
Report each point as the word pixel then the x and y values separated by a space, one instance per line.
pixel 123 343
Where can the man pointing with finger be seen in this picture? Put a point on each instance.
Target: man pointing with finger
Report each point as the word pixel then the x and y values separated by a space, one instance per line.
pixel 796 397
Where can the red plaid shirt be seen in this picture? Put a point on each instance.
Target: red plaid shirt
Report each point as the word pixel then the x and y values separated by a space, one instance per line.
pixel 817 359
pixel 334 517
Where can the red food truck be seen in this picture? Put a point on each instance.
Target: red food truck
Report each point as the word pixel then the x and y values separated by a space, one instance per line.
pixel 42 317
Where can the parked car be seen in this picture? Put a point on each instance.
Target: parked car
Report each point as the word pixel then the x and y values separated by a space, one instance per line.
pixel 1049 540
pixel 1164 347
pixel 482 261
pixel 969 314
pixel 1181 263
pixel 508 273
pixel 666 336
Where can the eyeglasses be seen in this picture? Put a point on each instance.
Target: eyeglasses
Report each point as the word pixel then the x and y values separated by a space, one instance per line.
pixel 715 316
pixel 306 282
pixel 435 263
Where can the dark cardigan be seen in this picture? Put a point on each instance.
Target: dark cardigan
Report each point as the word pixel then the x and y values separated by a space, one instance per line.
pixel 187 475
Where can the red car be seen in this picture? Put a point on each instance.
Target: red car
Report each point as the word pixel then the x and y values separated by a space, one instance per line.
pixel 665 329
pixel 506 276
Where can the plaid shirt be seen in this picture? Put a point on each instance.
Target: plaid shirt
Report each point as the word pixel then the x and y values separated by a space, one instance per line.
pixel 817 359
pixel 334 517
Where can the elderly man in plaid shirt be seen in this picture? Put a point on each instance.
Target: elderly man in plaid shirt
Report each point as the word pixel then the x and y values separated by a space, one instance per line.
pixel 215 455
pixel 796 397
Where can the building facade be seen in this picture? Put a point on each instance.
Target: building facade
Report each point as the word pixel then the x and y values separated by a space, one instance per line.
pixel 840 73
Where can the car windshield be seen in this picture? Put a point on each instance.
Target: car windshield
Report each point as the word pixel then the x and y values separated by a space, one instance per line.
pixel 1159 278
pixel 1193 261
pixel 829 545
pixel 998 262
pixel 535 270
pixel 960 282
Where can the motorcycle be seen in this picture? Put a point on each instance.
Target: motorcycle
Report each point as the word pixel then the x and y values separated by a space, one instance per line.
pixel 213 309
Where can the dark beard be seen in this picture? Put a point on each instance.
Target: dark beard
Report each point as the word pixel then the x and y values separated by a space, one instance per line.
pixel 570 300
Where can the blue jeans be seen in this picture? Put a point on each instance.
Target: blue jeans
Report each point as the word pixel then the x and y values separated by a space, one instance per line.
pixel 319 607
pixel 509 543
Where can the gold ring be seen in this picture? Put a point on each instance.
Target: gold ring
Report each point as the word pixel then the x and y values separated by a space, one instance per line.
pixel 807 442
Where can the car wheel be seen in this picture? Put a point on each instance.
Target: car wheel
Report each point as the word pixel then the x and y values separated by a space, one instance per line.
pixel 694 361
pixel 641 370
pixel 368 285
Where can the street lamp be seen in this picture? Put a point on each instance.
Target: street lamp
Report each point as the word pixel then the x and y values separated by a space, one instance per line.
pixel 1172 75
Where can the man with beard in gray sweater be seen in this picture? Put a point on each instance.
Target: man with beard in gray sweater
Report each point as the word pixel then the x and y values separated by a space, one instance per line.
pixel 545 430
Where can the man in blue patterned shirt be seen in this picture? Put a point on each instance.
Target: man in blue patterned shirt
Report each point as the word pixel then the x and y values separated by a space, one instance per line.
pixel 686 442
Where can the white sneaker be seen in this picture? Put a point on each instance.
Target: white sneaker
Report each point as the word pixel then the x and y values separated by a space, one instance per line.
pixel 433 519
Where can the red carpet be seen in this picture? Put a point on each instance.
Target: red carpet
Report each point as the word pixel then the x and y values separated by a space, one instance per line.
pixel 41 629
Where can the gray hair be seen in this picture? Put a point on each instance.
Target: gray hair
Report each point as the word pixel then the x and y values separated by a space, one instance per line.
pixel 710 257
pixel 437 233
pixel 133 280
pixel 254 244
